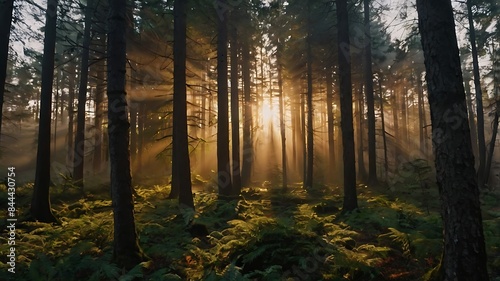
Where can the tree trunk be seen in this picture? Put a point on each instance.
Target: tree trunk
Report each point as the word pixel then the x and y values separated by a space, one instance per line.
pixel 71 115
pixel 310 130
pixel 40 203
pixel 382 119
pixel 181 170
pixel 126 250
pixel 421 114
pixel 6 8
pixel 491 149
pixel 479 99
pixel 464 256
pixel 99 97
pixel 330 120
pixel 344 53
pixel 472 120
pixel 79 155
pixel 370 100
pixel 281 105
pixel 359 111
pixel 223 166
pixel 235 111
pixel 248 157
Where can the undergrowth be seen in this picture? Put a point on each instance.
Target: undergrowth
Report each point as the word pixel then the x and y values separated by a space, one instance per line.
pixel 265 235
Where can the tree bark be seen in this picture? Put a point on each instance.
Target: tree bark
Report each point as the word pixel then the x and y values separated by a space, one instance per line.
pixel 181 170
pixel 330 120
pixel 370 100
pixel 71 115
pixel 310 130
pixel 79 154
pixel 40 204
pixel 6 8
pixel 464 256
pixel 281 105
pixel 344 53
pixel 248 157
pixel 126 250
pixel 224 180
pixel 235 111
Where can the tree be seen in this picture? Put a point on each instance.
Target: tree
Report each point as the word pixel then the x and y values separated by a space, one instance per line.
pixel 181 170
pixel 126 250
pixel 40 203
pixel 6 8
pixel 79 154
pixel 344 54
pixel 479 98
pixel 235 109
pixel 464 256
pixel 223 169
pixel 370 100
pixel 308 180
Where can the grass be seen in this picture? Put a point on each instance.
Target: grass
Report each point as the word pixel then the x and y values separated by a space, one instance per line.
pixel 266 235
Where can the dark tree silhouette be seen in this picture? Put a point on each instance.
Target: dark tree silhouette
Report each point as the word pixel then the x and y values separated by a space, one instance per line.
pixel 344 53
pixel 223 169
pixel 235 109
pixel 464 256
pixel 79 154
pixel 126 250
pixel 40 203
pixel 181 171
pixel 6 7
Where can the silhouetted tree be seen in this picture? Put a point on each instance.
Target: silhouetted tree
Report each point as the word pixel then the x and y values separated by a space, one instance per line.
pixel 126 250
pixel 464 256
pixel 40 203
pixel 181 170
pixel 344 53
pixel 6 8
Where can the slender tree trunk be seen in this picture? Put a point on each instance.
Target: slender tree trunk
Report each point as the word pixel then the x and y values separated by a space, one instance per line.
pixel 223 167
pixel 99 111
pixel 464 255
pixel 310 129
pixel 181 171
pixel 303 135
pixel 126 250
pixel 282 120
pixel 395 121
pixel 479 99
pixel 6 8
pixel 330 120
pixel 491 149
pixel 472 120
pixel 421 114
pixel 79 154
pixel 370 100
pixel 248 156
pixel 40 203
pixel 235 111
pixel 71 115
pixel 384 140
pixel 56 114
pixel 360 133
pixel 344 53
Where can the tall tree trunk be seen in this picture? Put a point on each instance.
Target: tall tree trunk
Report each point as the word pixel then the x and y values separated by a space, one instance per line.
pixel 344 53
pixel 71 115
pixel 281 105
pixel 464 256
pixel 126 250
pixel 382 119
pixel 235 111
pixel 370 100
pixel 472 120
pixel 395 121
pixel 359 112
pixel 330 120
pixel 421 114
pixel 56 113
pixel 99 111
pixel 79 155
pixel 491 148
pixel 310 130
pixel 304 136
pixel 181 170
pixel 6 8
pixel 248 157
pixel 224 180
pixel 40 203
pixel 479 99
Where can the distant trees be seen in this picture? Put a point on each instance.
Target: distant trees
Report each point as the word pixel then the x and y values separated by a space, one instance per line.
pixel 464 255
pixel 40 203
pixel 126 249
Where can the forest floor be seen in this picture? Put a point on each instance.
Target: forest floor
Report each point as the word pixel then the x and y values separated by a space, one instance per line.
pixel 265 235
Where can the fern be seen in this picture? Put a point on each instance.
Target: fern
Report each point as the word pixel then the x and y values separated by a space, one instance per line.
pixel 402 238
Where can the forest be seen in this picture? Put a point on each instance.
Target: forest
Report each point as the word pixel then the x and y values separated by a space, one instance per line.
pixel 249 140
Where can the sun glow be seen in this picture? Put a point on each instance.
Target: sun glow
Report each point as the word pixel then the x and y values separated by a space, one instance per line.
pixel 269 112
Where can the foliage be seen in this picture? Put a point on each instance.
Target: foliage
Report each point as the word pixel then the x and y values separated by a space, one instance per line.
pixel 262 236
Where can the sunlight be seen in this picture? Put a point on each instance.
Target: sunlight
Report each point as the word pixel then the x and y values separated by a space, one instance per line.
pixel 269 112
